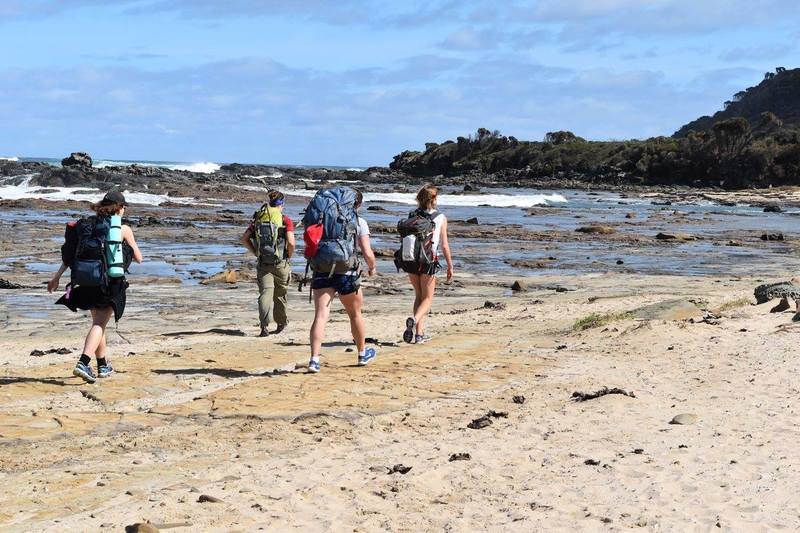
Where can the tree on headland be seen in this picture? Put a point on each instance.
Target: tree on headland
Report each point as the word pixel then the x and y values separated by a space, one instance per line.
pixel 561 137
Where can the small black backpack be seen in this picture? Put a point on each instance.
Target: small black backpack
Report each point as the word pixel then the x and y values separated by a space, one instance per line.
pixel 88 268
pixel 416 254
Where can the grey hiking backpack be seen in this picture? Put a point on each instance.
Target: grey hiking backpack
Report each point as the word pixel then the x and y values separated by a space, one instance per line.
pixel 331 231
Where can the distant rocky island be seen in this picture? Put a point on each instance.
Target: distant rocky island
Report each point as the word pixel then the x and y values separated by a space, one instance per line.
pixel 753 142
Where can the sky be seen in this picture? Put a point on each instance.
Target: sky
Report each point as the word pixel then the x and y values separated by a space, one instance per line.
pixel 354 82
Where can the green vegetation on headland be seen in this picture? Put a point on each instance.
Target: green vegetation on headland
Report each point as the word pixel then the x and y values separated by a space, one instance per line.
pixel 754 142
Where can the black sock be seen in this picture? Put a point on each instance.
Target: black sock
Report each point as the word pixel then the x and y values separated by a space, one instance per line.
pixel 101 362
pixel 85 359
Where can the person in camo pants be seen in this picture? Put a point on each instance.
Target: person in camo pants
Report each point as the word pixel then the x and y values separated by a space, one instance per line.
pixel 273 279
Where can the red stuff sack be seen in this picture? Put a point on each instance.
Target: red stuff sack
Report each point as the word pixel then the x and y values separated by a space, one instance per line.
pixel 312 237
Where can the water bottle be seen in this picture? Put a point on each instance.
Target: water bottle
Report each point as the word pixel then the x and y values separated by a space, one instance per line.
pixel 114 257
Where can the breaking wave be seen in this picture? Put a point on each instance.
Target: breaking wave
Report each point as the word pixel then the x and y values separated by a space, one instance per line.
pixel 204 167
pixel 9 158
pixel 24 190
pixel 456 200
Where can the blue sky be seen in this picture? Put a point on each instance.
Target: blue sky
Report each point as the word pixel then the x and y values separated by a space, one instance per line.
pixel 353 82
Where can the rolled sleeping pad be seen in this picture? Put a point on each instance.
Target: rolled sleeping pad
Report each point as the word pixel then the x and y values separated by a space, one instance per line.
pixel 114 256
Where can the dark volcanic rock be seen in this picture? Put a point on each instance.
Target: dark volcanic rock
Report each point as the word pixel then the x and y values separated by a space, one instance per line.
pixel 773 209
pixel 77 159
pixel 772 237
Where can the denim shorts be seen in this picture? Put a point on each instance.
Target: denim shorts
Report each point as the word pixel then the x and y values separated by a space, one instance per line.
pixel 343 284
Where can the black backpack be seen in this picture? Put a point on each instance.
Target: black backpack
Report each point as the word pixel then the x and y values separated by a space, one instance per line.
pixel 88 268
pixel 416 254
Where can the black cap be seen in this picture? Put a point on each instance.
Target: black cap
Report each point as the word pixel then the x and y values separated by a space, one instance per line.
pixel 114 197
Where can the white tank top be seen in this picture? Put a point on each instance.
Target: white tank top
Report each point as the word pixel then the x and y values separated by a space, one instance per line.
pixel 438 222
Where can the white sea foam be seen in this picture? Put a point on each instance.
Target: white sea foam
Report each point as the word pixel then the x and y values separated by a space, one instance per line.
pixel 356 169
pixel 456 200
pixel 204 167
pixel 9 158
pixel 274 175
pixel 25 190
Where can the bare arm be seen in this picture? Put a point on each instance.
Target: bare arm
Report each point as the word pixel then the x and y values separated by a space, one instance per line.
pixel 446 250
pixel 52 285
pixel 127 236
pixel 290 244
pixel 246 236
pixel 369 255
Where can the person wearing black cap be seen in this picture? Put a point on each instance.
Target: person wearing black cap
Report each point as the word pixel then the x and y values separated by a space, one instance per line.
pixel 92 288
pixel 270 237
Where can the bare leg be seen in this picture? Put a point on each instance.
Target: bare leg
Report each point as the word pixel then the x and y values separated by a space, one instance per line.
pixel 352 303
pixel 427 285
pixel 322 312
pixel 96 336
pixel 796 316
pixel 414 279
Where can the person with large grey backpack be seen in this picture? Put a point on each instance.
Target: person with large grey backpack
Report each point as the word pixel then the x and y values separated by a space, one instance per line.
pixel 422 233
pixel 97 250
pixel 334 234
pixel 270 237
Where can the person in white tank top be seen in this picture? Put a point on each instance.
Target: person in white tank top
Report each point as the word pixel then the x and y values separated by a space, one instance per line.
pixel 424 283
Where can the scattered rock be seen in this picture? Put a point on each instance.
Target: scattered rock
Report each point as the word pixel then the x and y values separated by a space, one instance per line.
pixel 772 237
pixel 205 498
pixel 591 462
pixel 480 423
pixel 59 351
pixel 5 284
pixel 782 289
pixel 775 208
pixel 376 208
pixel 400 469
pixel 638 451
pixel 620 262
pixel 498 306
pixel 77 159
pixel 630 215
pixel 519 286
pixel 141 527
pixel 675 237
pixel 684 419
pixel 518 399
pixel 228 276
pixel 468 187
pixel 473 220
pixel 597 230
pixel 462 456
pixel 585 396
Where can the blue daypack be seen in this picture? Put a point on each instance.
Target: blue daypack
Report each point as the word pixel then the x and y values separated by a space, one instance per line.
pixel 334 210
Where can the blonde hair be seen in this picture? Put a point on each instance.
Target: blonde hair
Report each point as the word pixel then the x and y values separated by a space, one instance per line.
pixel 427 195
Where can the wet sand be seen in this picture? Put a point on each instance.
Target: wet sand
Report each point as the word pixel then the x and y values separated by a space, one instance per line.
pixel 196 410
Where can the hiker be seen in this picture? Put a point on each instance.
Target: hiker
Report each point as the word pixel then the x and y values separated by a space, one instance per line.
pixel 334 234
pixel 422 233
pixel 97 250
pixel 270 237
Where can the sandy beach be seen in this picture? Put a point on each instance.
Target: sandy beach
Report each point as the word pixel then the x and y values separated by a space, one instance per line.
pixel 200 410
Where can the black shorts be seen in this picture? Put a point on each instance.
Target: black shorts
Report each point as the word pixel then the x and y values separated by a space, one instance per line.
pixel 343 284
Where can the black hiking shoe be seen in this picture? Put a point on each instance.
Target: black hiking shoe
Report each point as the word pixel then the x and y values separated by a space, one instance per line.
pixel 264 332
pixel 408 334
pixel 279 329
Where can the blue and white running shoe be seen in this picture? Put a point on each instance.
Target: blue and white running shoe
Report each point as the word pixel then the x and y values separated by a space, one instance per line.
pixel 369 355
pixel 84 372
pixel 314 365
pixel 105 371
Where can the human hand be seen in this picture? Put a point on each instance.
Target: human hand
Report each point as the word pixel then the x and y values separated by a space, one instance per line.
pixel 52 285
pixel 372 272
pixel 449 274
